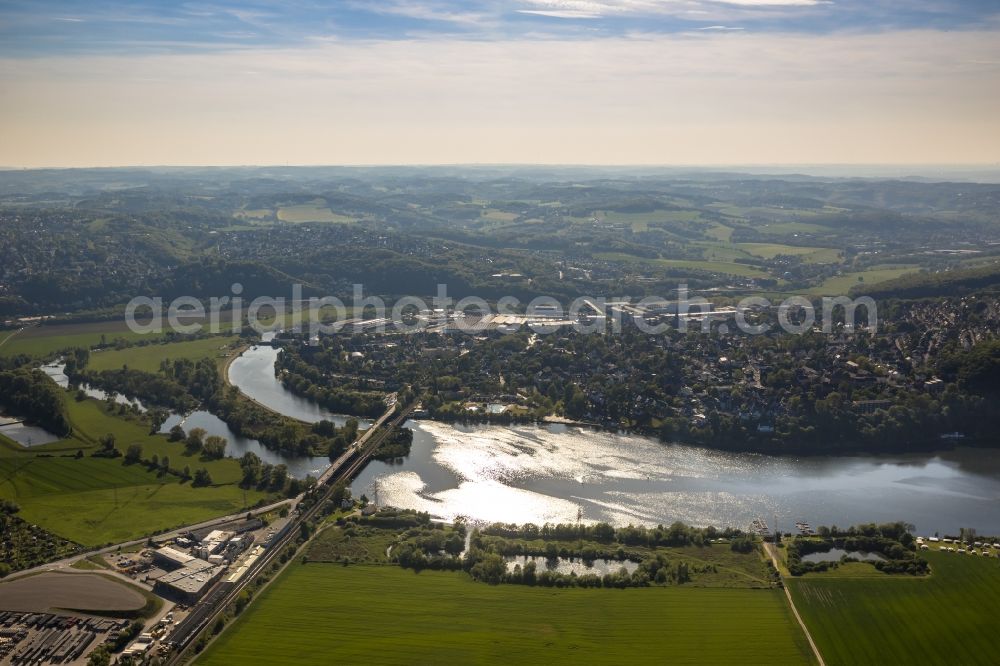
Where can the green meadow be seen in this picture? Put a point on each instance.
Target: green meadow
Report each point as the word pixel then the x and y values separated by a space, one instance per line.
pixel 812 255
pixel 725 268
pixel 94 501
pixel 841 284
pixel 315 211
pixel 949 617
pixel 45 340
pixel 149 357
pixel 328 613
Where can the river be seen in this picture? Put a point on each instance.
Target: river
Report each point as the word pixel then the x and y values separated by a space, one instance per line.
pixel 298 466
pixel 253 374
pixel 555 473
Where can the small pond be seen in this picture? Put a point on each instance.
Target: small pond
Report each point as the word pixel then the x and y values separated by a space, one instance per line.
pixel 566 566
pixel 25 435
pixel 834 555
pixel 57 372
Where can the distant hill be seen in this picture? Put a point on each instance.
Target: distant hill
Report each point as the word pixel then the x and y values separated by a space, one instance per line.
pixel 205 279
pixel 930 285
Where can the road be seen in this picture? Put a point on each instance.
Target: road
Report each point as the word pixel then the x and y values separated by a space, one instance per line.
pixel 180 531
pixel 769 548
pixel 223 593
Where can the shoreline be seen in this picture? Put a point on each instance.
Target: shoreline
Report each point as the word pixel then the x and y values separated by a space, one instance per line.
pixel 225 378
pixel 817 452
pixel 943 446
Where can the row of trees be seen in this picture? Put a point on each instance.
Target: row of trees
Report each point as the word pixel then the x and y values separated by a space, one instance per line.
pixel 273 478
pixel 893 541
pixel 134 455
pixel 675 535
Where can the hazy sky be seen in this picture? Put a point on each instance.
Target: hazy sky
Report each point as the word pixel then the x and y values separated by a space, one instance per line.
pixel 489 81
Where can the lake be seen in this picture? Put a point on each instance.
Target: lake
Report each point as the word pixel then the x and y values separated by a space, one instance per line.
pixel 554 473
pixel 550 474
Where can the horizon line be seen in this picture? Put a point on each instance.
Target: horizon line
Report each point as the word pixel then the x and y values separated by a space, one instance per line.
pixel 609 165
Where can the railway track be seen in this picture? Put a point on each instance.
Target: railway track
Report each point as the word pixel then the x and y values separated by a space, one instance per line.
pixel 224 592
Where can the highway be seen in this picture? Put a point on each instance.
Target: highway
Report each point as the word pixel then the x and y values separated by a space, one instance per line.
pixel 217 599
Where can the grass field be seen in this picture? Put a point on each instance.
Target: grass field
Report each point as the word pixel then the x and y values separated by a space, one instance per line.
pixel 93 501
pixel 788 228
pixel 498 215
pixel 148 358
pixel 45 340
pixel 841 284
pixel 812 255
pixel 315 211
pixel 328 613
pixel 640 222
pixel 769 212
pixel 949 617
pixel 91 420
pixel 724 268
pixel 720 232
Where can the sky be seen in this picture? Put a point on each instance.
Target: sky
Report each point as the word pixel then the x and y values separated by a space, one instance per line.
pixel 664 82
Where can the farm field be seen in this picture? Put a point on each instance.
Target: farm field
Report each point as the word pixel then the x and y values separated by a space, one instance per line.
pixel 841 284
pixel 786 228
pixel 148 357
pixel 725 268
pixel 93 501
pixel 720 232
pixel 396 616
pixel 73 591
pixel 947 617
pixel 640 222
pixel 45 340
pixel 813 255
pixel 91 420
pixel 498 215
pixel 315 211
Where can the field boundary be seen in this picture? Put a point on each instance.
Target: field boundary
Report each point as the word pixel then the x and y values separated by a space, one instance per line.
pixel 795 611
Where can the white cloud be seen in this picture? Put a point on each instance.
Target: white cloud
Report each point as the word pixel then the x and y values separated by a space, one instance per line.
pixel 599 8
pixel 773 3
pixel 561 13
pixel 426 11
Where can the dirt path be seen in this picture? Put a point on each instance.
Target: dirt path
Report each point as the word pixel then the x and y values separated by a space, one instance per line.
pixel 769 548
pixel 11 335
